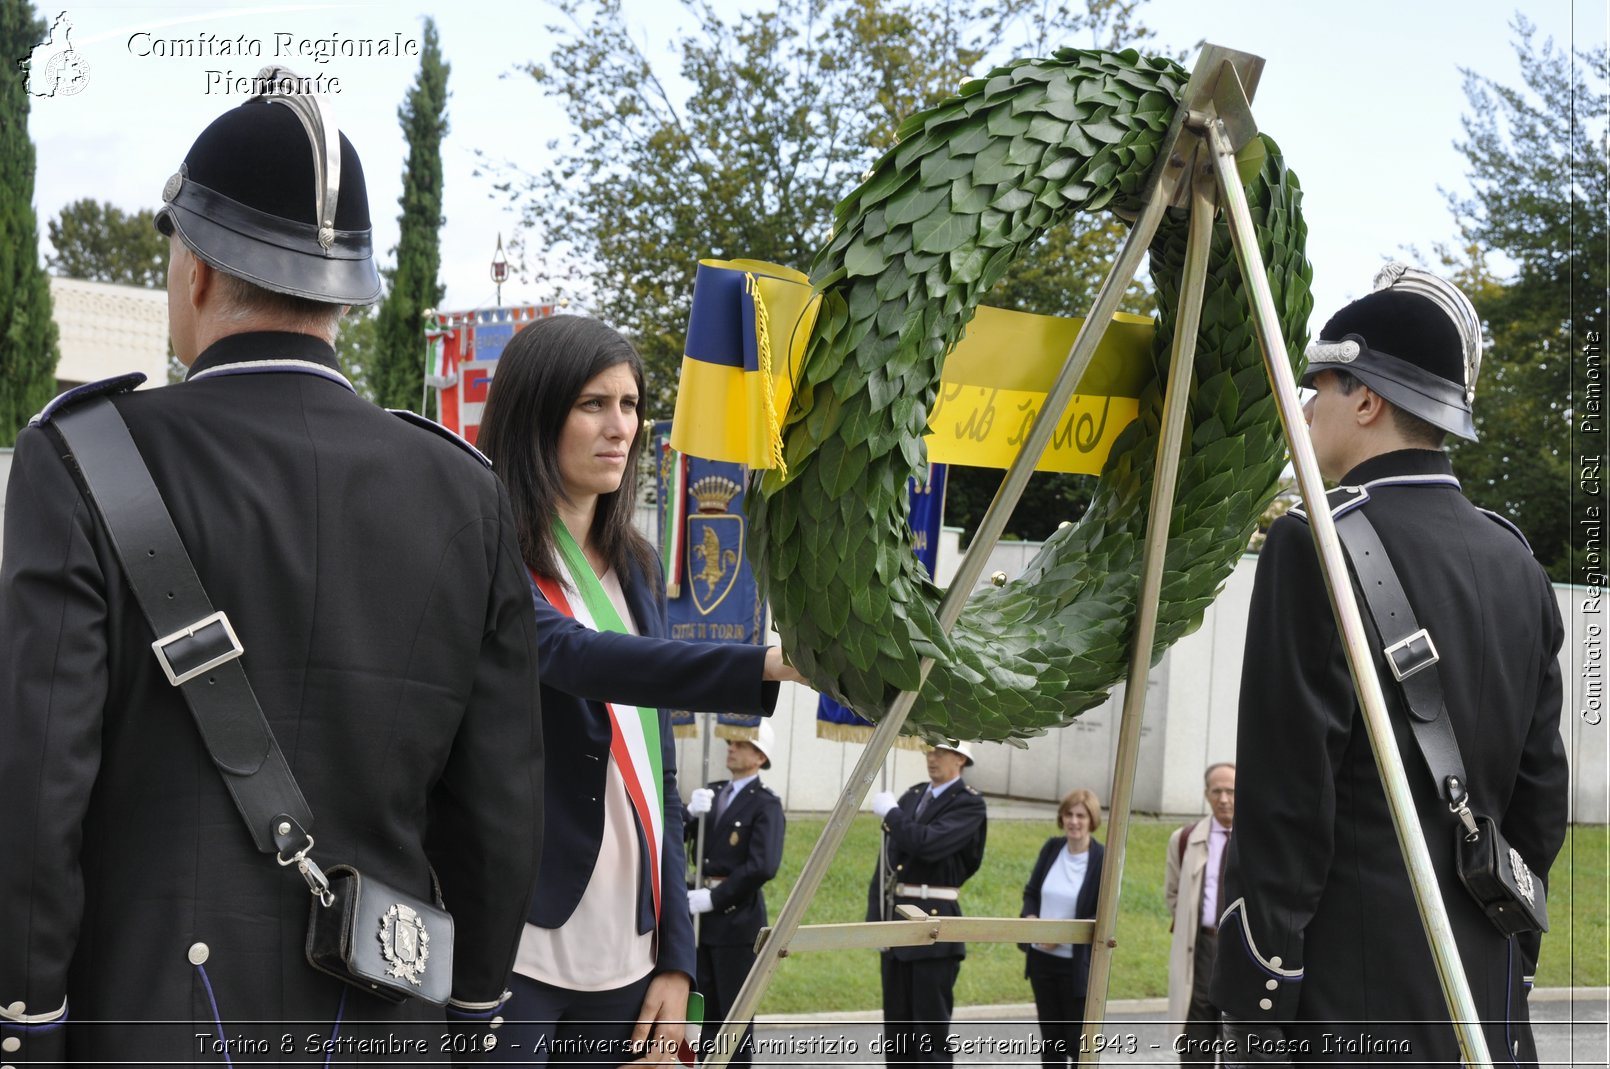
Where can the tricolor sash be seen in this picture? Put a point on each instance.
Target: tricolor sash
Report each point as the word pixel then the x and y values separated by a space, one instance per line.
pixel 634 741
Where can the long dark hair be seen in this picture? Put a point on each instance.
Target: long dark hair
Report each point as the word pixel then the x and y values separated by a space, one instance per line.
pixel 539 376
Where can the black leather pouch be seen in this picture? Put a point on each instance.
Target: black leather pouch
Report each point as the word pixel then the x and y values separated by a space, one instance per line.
pixel 1500 881
pixel 392 945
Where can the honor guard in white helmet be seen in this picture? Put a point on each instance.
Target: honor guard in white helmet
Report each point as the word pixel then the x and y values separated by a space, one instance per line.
pixel 743 845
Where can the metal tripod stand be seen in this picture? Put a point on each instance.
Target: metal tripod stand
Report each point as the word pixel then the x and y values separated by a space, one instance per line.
pixel 1196 166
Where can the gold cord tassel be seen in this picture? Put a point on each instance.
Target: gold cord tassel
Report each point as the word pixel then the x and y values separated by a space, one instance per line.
pixel 774 430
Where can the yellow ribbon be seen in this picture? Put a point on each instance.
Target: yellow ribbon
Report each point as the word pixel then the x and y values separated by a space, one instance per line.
pixel 992 388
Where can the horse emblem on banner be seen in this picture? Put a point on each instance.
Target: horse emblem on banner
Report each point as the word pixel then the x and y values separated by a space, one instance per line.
pixel 717 540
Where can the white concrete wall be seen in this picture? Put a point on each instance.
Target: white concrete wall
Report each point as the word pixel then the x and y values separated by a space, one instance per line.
pixel 1190 722
pixel 110 330
pixel 1190 718
pixel 1582 663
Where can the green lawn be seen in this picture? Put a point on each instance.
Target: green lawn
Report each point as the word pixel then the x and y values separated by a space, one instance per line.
pixel 1574 951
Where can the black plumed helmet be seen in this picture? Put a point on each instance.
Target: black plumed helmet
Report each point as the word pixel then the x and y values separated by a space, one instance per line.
pixel 273 193
pixel 1416 341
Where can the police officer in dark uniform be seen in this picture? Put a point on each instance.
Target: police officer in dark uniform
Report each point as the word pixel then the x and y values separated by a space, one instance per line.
pixel 933 843
pixel 1322 955
pixel 369 569
pixel 743 845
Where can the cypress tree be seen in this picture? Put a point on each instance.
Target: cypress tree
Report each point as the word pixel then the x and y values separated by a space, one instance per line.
pixel 28 351
pixel 398 370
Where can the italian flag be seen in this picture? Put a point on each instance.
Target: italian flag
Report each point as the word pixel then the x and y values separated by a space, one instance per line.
pixel 441 358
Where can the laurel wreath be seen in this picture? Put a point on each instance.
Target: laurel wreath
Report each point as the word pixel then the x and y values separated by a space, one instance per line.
pixel 915 247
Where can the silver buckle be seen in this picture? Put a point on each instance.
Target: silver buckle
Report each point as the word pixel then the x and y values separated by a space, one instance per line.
pixel 317 884
pixel 1411 664
pixel 159 647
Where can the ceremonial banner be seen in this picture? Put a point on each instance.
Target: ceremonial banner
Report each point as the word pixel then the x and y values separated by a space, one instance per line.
pixel 746 342
pixel 441 359
pixel 462 353
pixel 746 338
pixel 711 595
pixel 839 722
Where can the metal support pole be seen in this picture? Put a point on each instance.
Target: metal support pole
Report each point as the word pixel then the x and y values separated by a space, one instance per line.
pixel 1388 763
pixel 1159 516
pixel 698 844
pixel 775 945
pixel 883 846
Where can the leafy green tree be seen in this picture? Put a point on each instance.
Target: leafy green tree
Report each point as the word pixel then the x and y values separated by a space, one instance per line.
pixel 396 372
pixel 100 242
pixel 785 109
pixel 28 352
pixel 1538 173
pixel 355 349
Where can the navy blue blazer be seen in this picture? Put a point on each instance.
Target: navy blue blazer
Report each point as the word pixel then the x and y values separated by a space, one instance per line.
pixel 580 670
pixel 743 848
pixel 944 848
pixel 1039 963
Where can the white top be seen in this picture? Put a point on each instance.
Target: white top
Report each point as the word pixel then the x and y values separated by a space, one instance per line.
pixel 599 948
pixel 1059 892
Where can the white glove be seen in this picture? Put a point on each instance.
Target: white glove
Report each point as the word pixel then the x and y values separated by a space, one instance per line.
pixel 699 899
pixel 701 800
pixel 882 802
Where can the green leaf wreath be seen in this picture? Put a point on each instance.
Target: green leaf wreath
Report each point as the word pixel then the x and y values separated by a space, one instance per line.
pixel 915 248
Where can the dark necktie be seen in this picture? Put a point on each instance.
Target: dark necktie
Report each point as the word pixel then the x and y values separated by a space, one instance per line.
pixel 722 802
pixel 922 804
pixel 1218 889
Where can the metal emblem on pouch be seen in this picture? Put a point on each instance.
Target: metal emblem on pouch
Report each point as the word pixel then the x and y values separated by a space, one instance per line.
pixel 1523 876
pixel 405 941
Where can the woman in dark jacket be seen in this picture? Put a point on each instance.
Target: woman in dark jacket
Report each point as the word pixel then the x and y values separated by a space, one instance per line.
pixel 1063 885
pixel 609 943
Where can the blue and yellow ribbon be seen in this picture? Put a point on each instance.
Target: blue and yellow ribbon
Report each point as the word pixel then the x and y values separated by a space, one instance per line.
pixel 746 341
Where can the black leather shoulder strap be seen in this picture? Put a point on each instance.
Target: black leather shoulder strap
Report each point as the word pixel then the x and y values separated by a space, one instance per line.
pixel 1410 653
pixel 196 645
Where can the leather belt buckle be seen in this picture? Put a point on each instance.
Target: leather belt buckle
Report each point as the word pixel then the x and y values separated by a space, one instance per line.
pixel 192 650
pixel 927 892
pixel 1411 655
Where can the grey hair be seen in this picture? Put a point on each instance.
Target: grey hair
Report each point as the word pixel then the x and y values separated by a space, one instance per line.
pixel 243 302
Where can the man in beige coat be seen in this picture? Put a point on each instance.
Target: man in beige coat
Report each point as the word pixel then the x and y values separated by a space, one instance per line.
pixel 1195 874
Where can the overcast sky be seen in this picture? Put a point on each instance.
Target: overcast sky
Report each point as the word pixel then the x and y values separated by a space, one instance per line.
pixel 1364 98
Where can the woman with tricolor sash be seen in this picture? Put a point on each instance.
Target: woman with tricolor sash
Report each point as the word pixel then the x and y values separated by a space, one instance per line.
pixel 605 963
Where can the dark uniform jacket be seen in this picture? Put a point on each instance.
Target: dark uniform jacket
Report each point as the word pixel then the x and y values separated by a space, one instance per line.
pixel 743 850
pixel 1322 924
pixel 371 572
pixel 585 668
pixel 1039 963
pixel 942 849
